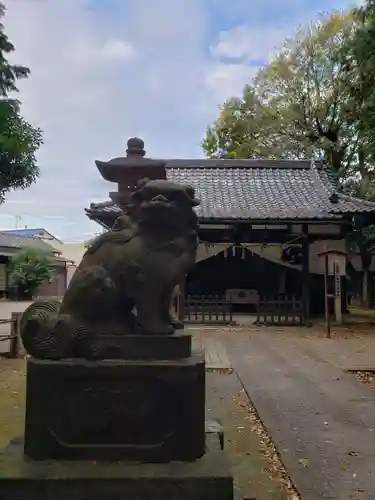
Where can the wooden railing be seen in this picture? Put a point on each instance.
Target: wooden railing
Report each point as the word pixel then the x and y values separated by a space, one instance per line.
pixel 280 310
pixel 15 343
pixel 208 309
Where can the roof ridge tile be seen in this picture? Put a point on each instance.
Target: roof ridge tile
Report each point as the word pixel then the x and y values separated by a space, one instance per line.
pixel 260 193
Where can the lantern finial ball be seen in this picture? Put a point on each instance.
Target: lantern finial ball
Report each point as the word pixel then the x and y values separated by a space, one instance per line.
pixel 135 147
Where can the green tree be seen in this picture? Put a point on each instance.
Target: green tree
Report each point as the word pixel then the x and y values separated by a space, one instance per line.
pixel 308 84
pixel 362 46
pixel 246 128
pixel 28 269
pixel 306 103
pixel 19 141
pixel 298 105
pixel 361 51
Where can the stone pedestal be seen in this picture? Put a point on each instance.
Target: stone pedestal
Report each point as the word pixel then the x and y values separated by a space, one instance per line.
pixel 208 478
pixel 143 410
pixel 132 347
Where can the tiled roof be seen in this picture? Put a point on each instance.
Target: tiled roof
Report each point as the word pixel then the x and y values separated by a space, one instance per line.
pixel 259 189
pixel 38 232
pixel 14 241
pixel 25 232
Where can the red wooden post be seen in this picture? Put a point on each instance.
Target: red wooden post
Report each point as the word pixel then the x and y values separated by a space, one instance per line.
pixel 326 296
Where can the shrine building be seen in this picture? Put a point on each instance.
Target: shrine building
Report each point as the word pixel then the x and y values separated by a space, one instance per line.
pixel 262 224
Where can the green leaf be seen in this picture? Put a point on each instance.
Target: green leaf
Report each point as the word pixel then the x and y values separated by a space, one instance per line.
pixel 29 268
pixel 298 106
pixel 19 141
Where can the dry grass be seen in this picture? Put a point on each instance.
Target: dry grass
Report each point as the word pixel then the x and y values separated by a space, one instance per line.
pixel 366 377
pixel 12 397
pixel 274 467
pixel 361 312
pixel 257 468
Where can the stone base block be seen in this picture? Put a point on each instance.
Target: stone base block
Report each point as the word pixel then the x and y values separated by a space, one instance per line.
pixel 205 479
pixel 153 347
pixel 149 411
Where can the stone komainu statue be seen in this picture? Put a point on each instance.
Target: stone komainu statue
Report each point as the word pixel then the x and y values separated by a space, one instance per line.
pixel 125 281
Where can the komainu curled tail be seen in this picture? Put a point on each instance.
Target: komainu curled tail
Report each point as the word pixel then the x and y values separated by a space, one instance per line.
pixel 40 333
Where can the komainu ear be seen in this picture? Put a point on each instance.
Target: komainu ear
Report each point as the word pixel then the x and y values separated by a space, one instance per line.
pixel 141 183
pixel 190 193
pixel 122 222
pixel 138 195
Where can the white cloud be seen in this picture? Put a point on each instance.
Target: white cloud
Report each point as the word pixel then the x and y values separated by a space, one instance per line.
pixel 97 54
pixel 118 50
pixel 98 78
pixel 225 80
pixel 237 54
pixel 123 68
pixel 249 42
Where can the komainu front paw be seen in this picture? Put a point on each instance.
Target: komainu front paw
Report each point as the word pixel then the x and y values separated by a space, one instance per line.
pixel 177 324
pixel 157 328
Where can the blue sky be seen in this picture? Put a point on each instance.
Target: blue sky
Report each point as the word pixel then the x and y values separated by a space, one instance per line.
pixel 105 70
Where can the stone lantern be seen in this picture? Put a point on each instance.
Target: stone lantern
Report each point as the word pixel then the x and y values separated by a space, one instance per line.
pixel 127 171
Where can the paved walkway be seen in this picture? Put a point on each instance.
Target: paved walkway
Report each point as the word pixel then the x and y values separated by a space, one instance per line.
pixel 215 351
pixel 350 353
pixel 321 419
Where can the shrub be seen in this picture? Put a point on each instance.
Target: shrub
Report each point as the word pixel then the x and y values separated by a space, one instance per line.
pixel 28 269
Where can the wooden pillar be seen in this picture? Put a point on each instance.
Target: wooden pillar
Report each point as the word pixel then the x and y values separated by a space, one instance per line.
pixel 14 349
pixel 305 275
pixel 282 280
pixel 326 298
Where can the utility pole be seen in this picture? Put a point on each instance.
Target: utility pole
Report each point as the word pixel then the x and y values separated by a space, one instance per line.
pixel 18 219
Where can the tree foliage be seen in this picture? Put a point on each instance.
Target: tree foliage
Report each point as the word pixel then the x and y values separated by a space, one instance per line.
pixel 19 140
pixel 28 269
pixel 315 99
pixel 246 128
pixel 361 48
pixel 299 105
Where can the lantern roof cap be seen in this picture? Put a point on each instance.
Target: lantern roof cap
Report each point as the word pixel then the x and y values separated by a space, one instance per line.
pixel 134 164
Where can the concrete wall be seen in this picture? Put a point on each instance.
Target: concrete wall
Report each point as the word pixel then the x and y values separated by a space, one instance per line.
pixel 73 252
pixel 56 285
pixel 70 270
